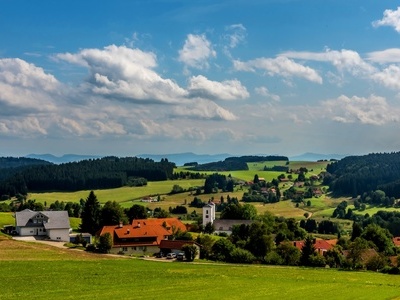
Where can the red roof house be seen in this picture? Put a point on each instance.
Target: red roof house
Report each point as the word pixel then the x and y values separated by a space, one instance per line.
pixel 320 245
pixel 142 236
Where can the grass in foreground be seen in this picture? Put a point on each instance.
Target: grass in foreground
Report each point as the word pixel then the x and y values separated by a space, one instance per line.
pixel 70 274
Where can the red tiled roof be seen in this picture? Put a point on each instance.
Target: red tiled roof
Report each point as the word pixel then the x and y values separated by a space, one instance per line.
pixel 143 232
pixel 169 222
pixel 319 244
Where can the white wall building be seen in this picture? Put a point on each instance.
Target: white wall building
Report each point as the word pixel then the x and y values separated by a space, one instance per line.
pixel 53 224
pixel 208 213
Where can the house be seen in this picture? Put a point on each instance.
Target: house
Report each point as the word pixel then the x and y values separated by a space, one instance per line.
pixel 143 236
pixel 220 225
pixel 321 246
pixel 175 246
pixel 48 224
pixel 225 226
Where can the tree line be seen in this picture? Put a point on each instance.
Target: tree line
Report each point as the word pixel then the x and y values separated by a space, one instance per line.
pixel 235 163
pixel 103 173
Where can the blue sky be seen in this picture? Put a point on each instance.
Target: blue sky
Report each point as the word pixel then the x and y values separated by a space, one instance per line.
pixel 241 77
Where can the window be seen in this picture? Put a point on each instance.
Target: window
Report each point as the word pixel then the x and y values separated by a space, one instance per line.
pixel 124 249
pixel 207 211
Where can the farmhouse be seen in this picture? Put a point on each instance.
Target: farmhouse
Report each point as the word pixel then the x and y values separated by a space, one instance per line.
pixel 51 224
pixel 143 236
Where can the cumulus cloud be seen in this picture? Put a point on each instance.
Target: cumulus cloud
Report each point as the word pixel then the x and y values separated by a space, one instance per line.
pixel 263 91
pixel 386 56
pixel 389 77
pixel 203 109
pixel 196 52
pixel 120 72
pixel 343 60
pixel 373 110
pixel 200 86
pixel 25 87
pixel 279 66
pixel 390 18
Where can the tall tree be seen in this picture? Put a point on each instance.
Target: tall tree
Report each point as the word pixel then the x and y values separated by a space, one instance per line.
pixel 136 212
pixel 91 214
pixel 307 251
pixel 112 214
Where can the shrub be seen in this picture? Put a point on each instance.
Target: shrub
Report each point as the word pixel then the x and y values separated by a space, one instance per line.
pixel 242 256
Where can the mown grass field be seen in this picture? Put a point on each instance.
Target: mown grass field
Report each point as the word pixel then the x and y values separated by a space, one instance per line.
pixel 33 270
pixel 122 194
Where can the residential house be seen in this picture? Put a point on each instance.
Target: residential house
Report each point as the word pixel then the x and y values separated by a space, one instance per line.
pixel 220 225
pixel 321 246
pixel 143 236
pixel 225 226
pixel 53 225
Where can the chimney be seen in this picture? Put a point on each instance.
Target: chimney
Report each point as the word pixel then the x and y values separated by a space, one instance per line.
pixel 128 231
pixel 138 224
pixel 120 225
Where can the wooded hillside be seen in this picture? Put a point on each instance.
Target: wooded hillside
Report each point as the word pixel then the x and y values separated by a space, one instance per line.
pixel 107 172
pixel 355 175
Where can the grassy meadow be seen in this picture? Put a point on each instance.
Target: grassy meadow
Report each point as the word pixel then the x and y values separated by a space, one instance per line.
pixel 56 273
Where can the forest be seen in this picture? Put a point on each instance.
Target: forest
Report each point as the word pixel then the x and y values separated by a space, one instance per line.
pixel 355 175
pixel 103 173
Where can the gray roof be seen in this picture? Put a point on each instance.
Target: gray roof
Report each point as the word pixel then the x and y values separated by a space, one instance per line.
pixel 226 224
pixel 56 219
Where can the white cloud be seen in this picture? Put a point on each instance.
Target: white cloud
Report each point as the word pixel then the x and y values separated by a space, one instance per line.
pixel 373 110
pixel 389 77
pixel 196 52
pixel 343 60
pixel 26 127
pixel 25 87
pixel 200 86
pixel 263 91
pixel 203 109
pixel 280 66
pixel 386 56
pixel 126 74
pixel 390 18
pixel 236 36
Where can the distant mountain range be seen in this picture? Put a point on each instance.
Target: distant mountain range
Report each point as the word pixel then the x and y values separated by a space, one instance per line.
pixel 180 158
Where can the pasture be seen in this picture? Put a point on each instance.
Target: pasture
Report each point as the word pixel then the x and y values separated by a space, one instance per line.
pixel 70 274
pixel 122 194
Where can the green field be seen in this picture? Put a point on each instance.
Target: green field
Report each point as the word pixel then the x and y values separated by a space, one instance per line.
pixel 6 218
pixel 122 194
pixel 53 273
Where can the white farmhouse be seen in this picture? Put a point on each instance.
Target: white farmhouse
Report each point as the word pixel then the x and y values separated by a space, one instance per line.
pixel 52 224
